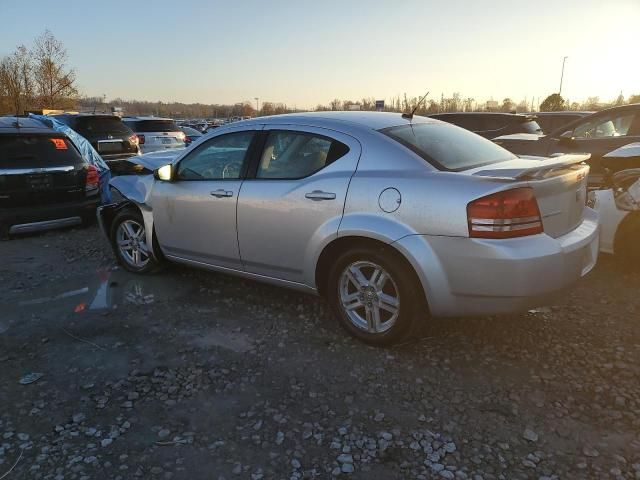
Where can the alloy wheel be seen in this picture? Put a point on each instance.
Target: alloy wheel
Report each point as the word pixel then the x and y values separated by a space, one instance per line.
pixel 369 296
pixel 131 242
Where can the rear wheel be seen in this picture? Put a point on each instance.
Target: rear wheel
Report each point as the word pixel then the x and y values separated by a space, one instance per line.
pixel 376 295
pixel 129 243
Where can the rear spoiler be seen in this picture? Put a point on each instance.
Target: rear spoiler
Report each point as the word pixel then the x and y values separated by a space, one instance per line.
pixel 547 165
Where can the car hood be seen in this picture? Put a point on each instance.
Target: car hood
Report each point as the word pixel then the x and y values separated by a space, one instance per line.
pixel 529 137
pixel 155 160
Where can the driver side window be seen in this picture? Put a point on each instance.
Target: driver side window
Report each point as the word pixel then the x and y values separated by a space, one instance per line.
pixel 616 126
pixel 221 158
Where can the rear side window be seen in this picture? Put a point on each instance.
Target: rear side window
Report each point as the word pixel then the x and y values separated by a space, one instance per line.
pixel 143 126
pixel 33 151
pixel 447 147
pixel 101 125
pixel 291 155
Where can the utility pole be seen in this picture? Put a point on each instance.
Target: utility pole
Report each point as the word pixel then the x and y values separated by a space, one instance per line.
pixel 564 59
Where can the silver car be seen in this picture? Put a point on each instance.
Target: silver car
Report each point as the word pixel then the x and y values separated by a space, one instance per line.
pixel 391 218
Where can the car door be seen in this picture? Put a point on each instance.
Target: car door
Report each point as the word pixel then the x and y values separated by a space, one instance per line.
pixel 599 135
pixel 195 213
pixel 293 197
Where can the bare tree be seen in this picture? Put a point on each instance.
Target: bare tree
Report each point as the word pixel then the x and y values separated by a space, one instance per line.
pixel 16 79
pixel 55 83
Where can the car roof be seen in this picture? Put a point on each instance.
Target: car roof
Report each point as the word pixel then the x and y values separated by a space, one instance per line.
pixel 484 114
pixel 564 112
pixel 367 120
pixel 84 114
pixel 148 118
pixel 23 124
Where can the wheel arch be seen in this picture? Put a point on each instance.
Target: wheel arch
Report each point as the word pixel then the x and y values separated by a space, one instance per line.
pixel 345 243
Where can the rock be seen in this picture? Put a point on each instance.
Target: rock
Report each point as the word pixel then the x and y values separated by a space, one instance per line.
pixel 530 435
pixel 347 468
pixel 448 474
pixel 23 437
pixel 345 458
pixel 79 418
pixel 164 433
pixel 105 442
pixel 449 447
pixel 590 451
pixel 295 463
pixel 378 417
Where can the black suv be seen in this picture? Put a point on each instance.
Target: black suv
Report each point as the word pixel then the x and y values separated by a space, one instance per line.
pixel 491 125
pixel 111 138
pixel 597 134
pixel 44 181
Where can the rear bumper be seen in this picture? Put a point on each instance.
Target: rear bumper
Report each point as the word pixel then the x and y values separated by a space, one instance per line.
pixel 157 148
pixel 118 156
pixel 45 217
pixel 464 276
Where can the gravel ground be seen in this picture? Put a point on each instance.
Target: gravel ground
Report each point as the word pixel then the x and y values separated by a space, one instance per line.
pixel 192 375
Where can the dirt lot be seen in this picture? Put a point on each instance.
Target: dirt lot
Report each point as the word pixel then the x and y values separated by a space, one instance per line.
pixel 196 375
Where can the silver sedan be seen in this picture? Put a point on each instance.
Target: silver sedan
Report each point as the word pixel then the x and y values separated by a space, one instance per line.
pixel 392 218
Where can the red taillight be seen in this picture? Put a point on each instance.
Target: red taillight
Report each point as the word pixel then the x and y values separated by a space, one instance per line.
pixel 134 139
pixel 140 139
pixel 93 178
pixel 508 214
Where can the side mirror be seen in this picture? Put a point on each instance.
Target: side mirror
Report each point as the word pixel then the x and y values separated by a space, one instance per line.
pixel 567 138
pixel 164 173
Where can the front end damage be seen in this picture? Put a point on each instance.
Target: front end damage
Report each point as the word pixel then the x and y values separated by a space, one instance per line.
pixel 131 191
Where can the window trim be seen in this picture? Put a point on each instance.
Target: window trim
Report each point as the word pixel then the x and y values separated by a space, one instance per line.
pixel 264 134
pixel 248 156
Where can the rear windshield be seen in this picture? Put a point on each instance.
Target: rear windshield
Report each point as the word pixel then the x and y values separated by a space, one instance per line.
pixel 448 147
pixel 29 151
pixel 153 126
pixel 531 126
pixel 98 125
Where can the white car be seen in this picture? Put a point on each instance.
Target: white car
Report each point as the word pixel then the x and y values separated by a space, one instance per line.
pixel 618 205
pixel 155 133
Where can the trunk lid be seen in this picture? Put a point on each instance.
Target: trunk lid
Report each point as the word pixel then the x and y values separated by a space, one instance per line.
pixel 37 169
pixel 559 183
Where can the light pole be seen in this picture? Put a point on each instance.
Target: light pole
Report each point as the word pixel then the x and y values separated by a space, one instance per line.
pixel 564 59
pixel 257 105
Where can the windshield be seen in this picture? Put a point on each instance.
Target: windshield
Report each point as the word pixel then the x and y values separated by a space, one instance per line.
pixel 448 147
pixel 22 151
pixel 154 126
pixel 102 125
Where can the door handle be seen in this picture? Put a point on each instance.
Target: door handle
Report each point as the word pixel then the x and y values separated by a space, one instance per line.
pixel 318 195
pixel 222 193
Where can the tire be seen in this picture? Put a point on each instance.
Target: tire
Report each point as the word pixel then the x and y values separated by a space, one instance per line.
pixel 627 241
pixel 128 226
pixel 395 320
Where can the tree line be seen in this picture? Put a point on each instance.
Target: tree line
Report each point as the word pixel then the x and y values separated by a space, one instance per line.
pixel 39 78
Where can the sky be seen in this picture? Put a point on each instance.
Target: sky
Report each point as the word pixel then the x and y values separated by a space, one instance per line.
pixel 303 52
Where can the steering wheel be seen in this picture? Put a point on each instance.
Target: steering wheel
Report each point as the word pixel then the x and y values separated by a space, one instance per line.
pixel 230 170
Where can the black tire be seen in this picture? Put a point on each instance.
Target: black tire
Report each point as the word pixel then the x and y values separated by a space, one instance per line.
pixel 413 307
pixel 132 216
pixel 627 241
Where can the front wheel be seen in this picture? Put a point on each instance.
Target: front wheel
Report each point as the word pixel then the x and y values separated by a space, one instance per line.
pixel 129 243
pixel 376 295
